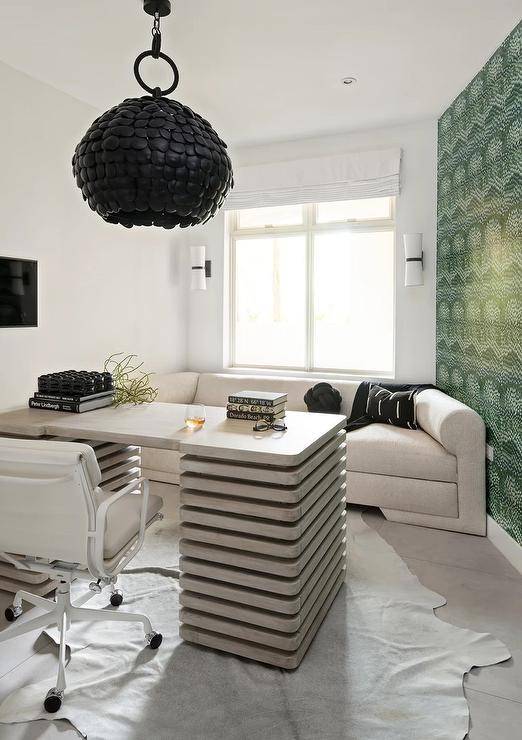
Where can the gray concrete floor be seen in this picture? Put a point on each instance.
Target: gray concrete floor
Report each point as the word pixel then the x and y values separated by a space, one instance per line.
pixel 483 591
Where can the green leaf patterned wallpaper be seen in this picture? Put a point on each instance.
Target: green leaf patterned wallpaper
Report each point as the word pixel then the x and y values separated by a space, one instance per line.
pixel 479 266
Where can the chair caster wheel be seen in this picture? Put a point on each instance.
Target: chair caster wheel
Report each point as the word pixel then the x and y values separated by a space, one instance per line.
pixel 154 640
pixel 12 613
pixel 95 586
pixel 53 701
pixel 117 597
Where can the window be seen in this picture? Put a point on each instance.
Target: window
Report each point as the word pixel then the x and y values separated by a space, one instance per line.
pixel 312 287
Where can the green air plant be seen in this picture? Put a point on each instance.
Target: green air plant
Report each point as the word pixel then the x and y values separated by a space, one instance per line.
pixel 131 384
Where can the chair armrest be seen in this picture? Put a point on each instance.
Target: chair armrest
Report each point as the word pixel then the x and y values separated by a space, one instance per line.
pixel 457 427
pixel 101 520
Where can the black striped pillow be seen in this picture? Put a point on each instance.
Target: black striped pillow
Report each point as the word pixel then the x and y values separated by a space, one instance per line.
pixel 388 407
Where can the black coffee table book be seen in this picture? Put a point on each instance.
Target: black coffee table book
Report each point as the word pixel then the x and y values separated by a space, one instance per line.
pixel 257 405
pixel 73 391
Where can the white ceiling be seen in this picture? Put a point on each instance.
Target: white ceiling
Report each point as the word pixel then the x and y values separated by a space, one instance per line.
pixel 263 70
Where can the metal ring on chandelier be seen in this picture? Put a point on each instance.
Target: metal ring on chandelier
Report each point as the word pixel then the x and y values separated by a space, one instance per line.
pixel 155 91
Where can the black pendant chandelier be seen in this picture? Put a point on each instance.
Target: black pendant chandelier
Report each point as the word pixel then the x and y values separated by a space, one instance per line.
pixel 151 161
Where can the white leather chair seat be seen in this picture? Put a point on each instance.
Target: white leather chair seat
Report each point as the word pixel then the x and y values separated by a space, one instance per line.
pixel 407 453
pixel 123 520
pixel 52 511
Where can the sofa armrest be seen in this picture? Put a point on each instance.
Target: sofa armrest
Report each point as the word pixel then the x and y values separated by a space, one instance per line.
pixel 454 425
pixel 176 387
pixel 462 432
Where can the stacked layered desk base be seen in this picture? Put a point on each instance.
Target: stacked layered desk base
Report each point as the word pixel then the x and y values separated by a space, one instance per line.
pixel 263 552
pixel 119 465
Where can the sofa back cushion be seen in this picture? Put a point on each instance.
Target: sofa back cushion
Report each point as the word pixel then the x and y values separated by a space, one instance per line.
pixel 214 389
pixel 175 387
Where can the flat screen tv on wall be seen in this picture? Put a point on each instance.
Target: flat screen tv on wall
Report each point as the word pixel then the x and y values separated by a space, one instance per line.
pixel 18 292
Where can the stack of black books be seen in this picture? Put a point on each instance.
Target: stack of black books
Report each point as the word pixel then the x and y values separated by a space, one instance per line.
pixel 74 391
pixel 257 405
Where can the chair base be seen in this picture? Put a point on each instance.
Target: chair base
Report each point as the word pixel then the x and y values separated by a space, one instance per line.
pixel 60 613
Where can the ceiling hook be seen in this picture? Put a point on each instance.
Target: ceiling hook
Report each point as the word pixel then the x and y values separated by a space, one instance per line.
pixel 162 7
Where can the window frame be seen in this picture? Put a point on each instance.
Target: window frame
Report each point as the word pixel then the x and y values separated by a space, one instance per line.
pixel 309 228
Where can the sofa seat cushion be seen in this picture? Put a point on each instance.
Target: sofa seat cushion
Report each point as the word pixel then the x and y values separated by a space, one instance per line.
pixel 123 520
pixel 406 453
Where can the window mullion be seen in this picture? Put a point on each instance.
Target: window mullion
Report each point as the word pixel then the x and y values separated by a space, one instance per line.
pixel 309 288
pixel 232 298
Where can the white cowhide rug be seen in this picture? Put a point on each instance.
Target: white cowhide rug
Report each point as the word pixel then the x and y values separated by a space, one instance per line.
pixel 382 666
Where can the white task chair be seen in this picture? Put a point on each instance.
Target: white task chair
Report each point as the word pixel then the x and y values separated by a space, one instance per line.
pixel 53 510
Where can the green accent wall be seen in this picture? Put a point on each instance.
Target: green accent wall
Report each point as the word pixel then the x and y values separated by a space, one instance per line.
pixel 479 266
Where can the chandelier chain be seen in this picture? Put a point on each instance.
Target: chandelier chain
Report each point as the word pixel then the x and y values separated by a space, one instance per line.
pixel 156 53
pixel 156 36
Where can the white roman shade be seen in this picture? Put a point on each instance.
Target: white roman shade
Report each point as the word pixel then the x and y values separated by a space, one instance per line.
pixel 369 174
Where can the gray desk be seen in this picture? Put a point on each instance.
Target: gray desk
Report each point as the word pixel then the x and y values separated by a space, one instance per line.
pixel 262 516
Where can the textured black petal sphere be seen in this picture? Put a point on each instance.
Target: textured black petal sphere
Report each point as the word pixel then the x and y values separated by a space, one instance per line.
pixel 152 162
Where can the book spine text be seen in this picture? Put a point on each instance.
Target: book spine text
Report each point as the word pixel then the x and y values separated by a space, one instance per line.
pixel 40 403
pixel 251 416
pixel 255 401
pixel 251 408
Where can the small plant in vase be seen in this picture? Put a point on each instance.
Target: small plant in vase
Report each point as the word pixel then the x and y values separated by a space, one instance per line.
pixel 131 383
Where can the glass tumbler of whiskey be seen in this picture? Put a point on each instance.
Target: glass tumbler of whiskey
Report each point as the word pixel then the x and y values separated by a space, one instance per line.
pixel 195 416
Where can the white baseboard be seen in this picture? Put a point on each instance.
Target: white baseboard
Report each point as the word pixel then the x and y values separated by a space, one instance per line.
pixel 510 549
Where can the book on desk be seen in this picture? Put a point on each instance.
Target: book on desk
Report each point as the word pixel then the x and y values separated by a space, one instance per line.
pixel 257 405
pixel 73 391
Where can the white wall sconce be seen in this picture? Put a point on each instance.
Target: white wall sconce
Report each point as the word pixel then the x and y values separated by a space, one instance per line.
pixel 200 268
pixel 414 259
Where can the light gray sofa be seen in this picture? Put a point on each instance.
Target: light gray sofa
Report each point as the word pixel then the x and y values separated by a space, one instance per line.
pixel 433 476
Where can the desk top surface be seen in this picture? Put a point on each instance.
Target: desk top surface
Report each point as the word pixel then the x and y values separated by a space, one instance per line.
pixel 162 426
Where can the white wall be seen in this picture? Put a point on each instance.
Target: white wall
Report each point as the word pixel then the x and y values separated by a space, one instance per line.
pixel 102 288
pixel 416 211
